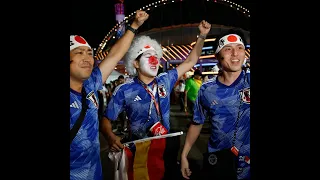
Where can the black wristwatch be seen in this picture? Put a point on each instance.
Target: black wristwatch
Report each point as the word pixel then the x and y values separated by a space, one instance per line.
pixel 132 29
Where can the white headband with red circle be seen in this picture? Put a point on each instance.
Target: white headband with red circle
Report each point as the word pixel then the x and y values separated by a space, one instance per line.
pixel 227 39
pixel 76 41
pixel 144 49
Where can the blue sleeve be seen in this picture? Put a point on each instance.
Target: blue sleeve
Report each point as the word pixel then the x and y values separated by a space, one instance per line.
pixel 169 78
pixel 172 76
pixel 248 77
pixel 199 112
pixel 96 79
pixel 116 104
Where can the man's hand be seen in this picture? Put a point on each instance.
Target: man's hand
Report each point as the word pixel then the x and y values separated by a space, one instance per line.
pixel 185 107
pixel 140 18
pixel 114 143
pixel 204 27
pixel 185 171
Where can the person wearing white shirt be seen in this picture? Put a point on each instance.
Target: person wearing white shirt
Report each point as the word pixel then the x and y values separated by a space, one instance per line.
pixel 180 90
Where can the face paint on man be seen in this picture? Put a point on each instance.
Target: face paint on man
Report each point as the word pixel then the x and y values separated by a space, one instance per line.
pixel 149 63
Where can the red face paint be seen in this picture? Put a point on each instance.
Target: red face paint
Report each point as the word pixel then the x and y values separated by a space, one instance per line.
pixel 153 60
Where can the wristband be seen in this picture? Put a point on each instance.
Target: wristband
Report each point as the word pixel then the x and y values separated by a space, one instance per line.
pixel 202 37
pixel 132 29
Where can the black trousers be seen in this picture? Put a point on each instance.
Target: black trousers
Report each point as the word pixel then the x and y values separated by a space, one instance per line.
pixel 190 106
pixel 181 100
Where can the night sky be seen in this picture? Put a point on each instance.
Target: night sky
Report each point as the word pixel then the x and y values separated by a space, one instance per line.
pixel 94 19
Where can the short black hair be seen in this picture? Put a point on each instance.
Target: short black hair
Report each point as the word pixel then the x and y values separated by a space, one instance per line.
pixel 121 77
pixel 197 72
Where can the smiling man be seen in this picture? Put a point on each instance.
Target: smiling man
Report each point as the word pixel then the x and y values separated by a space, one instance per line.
pixel 226 101
pixel 85 81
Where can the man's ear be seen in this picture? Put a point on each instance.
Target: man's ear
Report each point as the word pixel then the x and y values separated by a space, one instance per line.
pixel 218 57
pixel 136 64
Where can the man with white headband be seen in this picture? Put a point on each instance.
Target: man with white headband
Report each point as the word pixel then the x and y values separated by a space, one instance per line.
pixel 85 81
pixel 226 102
pixel 146 98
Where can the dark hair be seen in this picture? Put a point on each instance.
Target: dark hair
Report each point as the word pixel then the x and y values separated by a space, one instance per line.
pixel 107 85
pixel 121 77
pixel 138 58
pixel 197 72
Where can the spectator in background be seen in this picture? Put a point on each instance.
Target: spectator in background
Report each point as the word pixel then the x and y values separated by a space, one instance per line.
pixel 180 90
pixel 115 84
pixel 205 78
pixel 216 71
pixel 121 79
pixel 191 90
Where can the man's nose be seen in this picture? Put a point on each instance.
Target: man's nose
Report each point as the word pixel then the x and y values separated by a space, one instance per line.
pixel 234 52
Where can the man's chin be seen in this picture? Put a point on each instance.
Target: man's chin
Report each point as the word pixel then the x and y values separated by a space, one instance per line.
pixel 86 76
pixel 155 74
pixel 152 75
pixel 235 68
pixel 149 73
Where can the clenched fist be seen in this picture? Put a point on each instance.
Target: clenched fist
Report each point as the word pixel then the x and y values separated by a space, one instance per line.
pixel 139 19
pixel 204 27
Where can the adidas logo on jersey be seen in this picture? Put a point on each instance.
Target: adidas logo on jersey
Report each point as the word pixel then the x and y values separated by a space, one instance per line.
pixel 74 105
pixel 137 98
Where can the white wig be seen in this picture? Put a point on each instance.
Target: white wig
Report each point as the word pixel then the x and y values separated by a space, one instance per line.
pixel 139 45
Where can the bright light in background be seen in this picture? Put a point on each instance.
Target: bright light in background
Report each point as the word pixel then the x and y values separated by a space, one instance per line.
pixel 209 47
pixel 122 19
pixel 205 64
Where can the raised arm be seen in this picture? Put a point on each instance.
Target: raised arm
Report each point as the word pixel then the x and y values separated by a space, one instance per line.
pixel 193 57
pixel 119 49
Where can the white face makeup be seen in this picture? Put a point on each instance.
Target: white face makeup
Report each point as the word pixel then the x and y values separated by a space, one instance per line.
pixel 149 63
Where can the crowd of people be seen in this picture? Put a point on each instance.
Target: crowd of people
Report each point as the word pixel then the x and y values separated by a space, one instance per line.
pixel 143 102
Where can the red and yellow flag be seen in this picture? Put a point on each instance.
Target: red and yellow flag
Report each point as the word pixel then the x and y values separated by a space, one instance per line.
pixel 145 160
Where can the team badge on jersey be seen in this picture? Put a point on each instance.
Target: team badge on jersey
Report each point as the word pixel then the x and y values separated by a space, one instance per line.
pixel 245 95
pixel 212 159
pixel 162 91
pixel 92 97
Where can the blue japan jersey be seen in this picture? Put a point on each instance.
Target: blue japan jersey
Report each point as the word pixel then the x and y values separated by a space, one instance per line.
pixel 224 105
pixel 135 100
pixel 85 148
